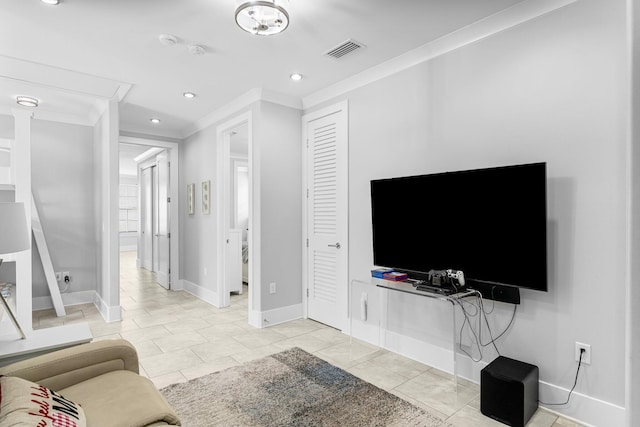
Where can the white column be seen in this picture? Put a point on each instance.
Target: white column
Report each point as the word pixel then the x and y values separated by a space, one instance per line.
pixel 109 286
pixel 22 165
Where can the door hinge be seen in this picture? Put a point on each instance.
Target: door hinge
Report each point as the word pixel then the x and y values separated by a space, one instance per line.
pixel 307 242
pixel 168 235
pixel 307 292
pixel 307 142
pixel 307 193
pixel 168 199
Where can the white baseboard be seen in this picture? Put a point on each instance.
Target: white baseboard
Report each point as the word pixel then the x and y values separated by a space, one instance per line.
pixel 177 285
pixel 255 318
pixel 421 351
pixel 109 313
pixel 280 315
pixel 68 299
pixel 203 293
pixel 582 408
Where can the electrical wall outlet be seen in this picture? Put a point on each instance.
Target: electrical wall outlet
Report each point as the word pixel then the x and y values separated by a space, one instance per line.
pixel 272 287
pixel 66 276
pixel 586 357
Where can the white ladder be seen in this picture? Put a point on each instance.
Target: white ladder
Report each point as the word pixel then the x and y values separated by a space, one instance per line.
pixel 47 265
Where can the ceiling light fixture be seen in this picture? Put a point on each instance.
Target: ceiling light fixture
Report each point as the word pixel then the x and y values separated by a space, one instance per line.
pixel 296 77
pixel 263 18
pixel 27 101
pixel 154 121
pixel 53 2
pixel 189 95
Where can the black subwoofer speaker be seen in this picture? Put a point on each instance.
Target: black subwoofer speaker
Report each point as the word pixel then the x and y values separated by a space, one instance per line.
pixel 509 391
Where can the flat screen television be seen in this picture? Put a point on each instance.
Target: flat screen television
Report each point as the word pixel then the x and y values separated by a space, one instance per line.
pixel 490 223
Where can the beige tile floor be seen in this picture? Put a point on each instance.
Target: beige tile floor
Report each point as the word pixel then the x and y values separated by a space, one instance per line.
pixel 179 337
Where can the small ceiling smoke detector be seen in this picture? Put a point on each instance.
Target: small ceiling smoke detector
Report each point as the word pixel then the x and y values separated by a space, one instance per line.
pixel 154 121
pixel 189 95
pixel 195 49
pixel 296 77
pixel 53 2
pixel 27 101
pixel 168 39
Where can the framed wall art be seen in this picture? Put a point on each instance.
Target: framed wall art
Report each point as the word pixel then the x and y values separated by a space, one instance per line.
pixel 191 202
pixel 206 197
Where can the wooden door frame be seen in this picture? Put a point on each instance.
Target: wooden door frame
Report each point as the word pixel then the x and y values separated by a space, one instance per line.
pixel 306 119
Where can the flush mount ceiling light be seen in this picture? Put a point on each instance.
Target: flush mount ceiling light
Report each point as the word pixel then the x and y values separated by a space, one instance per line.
pixel 189 95
pixel 53 2
pixel 27 101
pixel 154 121
pixel 296 77
pixel 263 18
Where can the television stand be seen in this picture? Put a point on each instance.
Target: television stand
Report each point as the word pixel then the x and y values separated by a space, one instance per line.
pixel 369 306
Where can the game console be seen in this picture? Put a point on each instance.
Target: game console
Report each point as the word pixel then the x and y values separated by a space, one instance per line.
pixel 444 278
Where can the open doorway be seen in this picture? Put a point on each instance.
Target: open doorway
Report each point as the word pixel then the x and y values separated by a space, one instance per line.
pixel 145 210
pixel 236 213
pixel 239 206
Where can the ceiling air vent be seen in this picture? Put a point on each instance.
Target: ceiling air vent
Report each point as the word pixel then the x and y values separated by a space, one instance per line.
pixel 344 48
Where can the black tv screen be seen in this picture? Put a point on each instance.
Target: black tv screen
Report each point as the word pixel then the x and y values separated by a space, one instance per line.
pixel 489 223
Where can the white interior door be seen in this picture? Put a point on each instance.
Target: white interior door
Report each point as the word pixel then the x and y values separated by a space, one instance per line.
pixel 163 237
pixel 154 215
pixel 327 215
pixel 147 219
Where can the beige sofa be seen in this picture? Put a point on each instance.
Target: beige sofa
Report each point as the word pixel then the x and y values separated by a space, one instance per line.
pixel 103 378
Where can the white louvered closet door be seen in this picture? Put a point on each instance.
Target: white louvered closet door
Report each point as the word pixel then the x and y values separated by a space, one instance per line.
pixel 327 210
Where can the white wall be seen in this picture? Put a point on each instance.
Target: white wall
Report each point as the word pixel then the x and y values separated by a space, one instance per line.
pixel 198 234
pixel 276 141
pixel 62 186
pixel 633 297
pixel 552 89
pixel 6 126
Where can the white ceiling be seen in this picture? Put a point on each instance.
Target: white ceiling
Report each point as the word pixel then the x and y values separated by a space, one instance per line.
pixel 82 51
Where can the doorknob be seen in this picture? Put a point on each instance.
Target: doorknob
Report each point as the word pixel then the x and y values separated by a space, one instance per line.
pixel 337 245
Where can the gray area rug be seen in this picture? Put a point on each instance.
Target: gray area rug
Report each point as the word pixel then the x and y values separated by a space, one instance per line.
pixel 292 388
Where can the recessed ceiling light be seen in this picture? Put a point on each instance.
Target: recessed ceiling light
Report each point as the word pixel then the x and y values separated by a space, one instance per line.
pixel 53 2
pixel 27 101
pixel 189 95
pixel 154 121
pixel 296 77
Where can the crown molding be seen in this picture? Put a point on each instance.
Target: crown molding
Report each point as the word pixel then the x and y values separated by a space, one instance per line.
pixel 486 27
pixel 239 103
